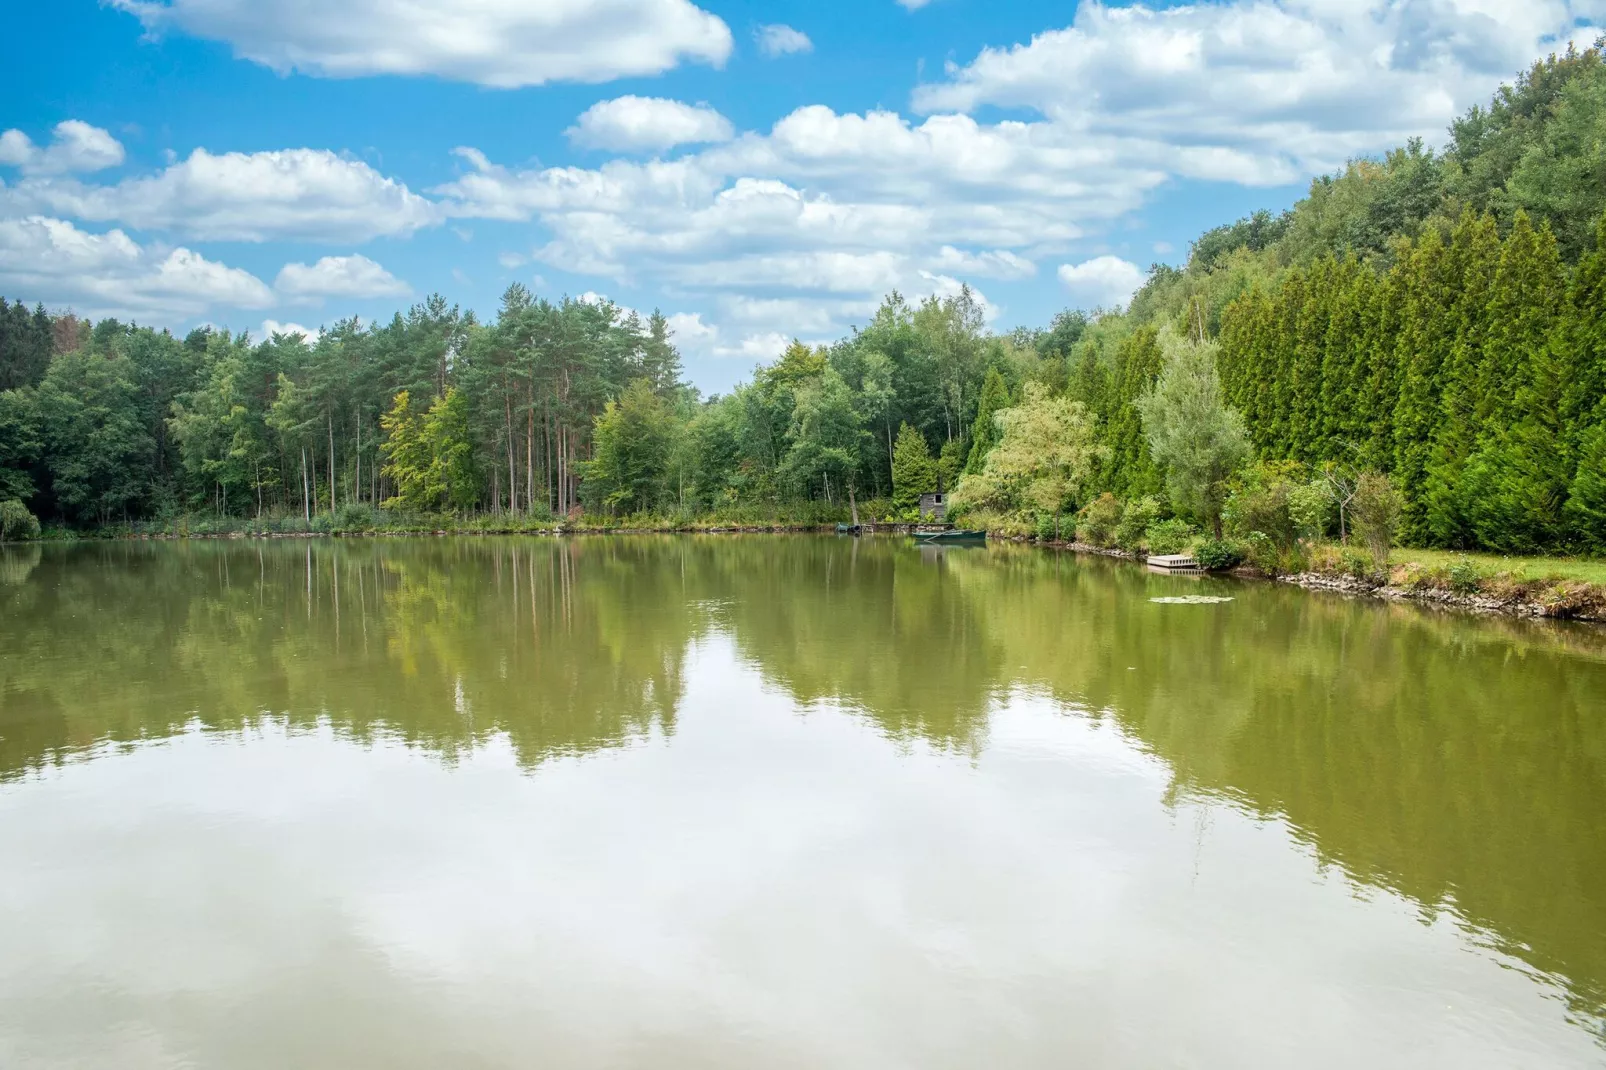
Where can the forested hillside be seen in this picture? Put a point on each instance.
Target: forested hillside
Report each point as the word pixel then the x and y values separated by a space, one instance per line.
pixel 1436 316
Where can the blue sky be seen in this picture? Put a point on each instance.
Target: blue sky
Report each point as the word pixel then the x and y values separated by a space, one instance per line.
pixel 759 171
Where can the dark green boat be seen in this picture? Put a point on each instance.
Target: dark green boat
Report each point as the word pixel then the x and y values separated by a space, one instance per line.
pixel 847 529
pixel 945 537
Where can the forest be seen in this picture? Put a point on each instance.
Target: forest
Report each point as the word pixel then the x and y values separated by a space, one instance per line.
pixel 1424 332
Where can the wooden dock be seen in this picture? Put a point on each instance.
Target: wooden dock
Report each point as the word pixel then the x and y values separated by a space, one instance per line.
pixel 1174 562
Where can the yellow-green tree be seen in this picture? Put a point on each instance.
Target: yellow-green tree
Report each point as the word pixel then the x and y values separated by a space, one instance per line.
pixel 1044 457
pixel 407 458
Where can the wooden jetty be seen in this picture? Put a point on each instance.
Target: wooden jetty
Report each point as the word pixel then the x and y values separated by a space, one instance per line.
pixel 1174 562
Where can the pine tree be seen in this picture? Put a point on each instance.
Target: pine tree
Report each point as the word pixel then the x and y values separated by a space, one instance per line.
pixel 984 433
pixel 1426 333
pixel 1584 401
pixel 1515 486
pixel 1477 247
pixel 914 472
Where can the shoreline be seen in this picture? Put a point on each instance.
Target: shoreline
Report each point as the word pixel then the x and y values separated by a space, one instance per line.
pixel 1560 599
pixel 1550 599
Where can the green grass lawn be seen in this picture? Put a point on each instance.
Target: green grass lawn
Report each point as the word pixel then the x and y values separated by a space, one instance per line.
pixel 1533 568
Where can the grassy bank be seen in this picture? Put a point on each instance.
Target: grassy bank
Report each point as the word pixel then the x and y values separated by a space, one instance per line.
pixel 365 520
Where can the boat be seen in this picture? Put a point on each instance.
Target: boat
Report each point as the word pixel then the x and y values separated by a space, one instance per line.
pixel 939 538
pixel 847 529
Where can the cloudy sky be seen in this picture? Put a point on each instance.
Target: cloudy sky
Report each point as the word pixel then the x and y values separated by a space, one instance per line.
pixel 760 171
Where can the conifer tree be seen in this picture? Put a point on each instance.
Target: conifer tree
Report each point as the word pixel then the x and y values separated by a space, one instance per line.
pixel 1477 247
pixel 914 471
pixel 1515 485
pixel 984 432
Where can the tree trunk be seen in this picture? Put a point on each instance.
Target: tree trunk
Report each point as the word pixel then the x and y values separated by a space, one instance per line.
pixel 306 491
pixel 356 480
pixel 512 484
pixel 331 416
pixel 853 504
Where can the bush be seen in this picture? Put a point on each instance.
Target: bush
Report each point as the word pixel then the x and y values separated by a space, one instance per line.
pixel 1356 563
pixel 1463 576
pixel 16 522
pixel 1169 536
pixel 1262 553
pixel 1310 506
pixel 1097 521
pixel 1132 531
pixel 357 516
pixel 1263 507
pixel 1217 555
pixel 1045 526
pixel 1376 509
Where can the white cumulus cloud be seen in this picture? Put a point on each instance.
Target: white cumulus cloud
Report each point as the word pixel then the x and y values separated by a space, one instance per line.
pixel 273 327
pixel 311 194
pixel 779 39
pixel 338 276
pixel 1267 91
pixel 1103 282
pixel 501 43
pixel 630 124
pixel 110 274
pixel 74 146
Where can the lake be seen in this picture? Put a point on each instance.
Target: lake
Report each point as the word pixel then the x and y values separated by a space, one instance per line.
pixel 772 801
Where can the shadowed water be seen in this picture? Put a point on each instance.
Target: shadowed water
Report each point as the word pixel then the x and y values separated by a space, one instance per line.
pixel 782 802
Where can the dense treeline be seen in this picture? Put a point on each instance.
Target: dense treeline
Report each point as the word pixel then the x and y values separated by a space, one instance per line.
pixel 548 409
pixel 1439 317
pixel 1433 316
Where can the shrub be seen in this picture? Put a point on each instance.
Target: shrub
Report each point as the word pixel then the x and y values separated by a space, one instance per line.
pixel 1310 506
pixel 1355 563
pixel 1261 552
pixel 357 516
pixel 16 522
pixel 1216 555
pixel 1463 576
pixel 1169 536
pixel 1376 509
pixel 1045 526
pixel 1263 507
pixel 1097 521
pixel 1133 529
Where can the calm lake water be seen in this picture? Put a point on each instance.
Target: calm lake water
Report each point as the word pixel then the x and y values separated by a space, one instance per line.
pixel 690 802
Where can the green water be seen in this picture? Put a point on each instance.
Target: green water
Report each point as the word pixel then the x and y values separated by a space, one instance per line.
pixel 780 802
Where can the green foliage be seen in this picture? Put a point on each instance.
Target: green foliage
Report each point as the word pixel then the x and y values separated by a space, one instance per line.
pixel 1261 503
pixel 1169 536
pixel 19 443
pixel 1218 555
pixel 1194 437
pixel 1310 507
pixel 1378 510
pixel 1097 522
pixel 634 439
pixel 826 435
pixel 914 472
pixel 1586 500
pixel 16 522
pixel 407 456
pixel 1440 317
pixel 1137 515
pixel 951 462
pixel 452 477
pixel 1464 576
pixel 1044 457
pixel 984 432
pixel 99 453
